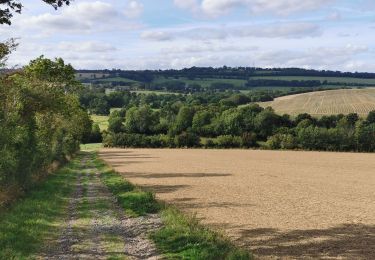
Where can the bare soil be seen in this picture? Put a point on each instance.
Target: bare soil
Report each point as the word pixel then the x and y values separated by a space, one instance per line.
pixel 280 205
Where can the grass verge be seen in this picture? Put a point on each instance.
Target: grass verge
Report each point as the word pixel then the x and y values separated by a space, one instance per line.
pixel 135 201
pixel 181 237
pixel 31 222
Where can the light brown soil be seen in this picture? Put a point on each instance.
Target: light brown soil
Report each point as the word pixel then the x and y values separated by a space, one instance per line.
pixel 288 205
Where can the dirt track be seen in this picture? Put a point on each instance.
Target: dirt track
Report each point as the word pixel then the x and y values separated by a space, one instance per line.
pixel 288 205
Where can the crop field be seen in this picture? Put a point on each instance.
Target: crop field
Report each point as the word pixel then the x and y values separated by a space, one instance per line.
pixel 289 205
pixel 330 102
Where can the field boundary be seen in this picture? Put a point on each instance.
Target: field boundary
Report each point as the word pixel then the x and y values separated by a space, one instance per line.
pixel 182 236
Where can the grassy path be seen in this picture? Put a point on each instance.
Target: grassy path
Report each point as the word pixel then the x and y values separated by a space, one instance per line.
pixel 88 211
pixel 96 227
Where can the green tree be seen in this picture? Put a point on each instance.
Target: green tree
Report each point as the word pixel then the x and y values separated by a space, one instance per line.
pixel 371 117
pixel 116 124
pixel 266 122
pixel 99 106
pixel 200 120
pixel 183 120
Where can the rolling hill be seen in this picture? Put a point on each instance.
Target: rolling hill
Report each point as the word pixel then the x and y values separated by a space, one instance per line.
pixel 343 101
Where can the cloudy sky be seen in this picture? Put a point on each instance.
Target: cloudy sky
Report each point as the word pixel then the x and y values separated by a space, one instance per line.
pixel 153 34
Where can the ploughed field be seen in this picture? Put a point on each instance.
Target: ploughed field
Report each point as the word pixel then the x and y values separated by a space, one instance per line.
pixel 291 205
pixel 330 102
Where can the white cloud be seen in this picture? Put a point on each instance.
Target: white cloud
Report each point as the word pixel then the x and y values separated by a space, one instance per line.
pixel 319 57
pixel 134 9
pixel 334 16
pixel 83 17
pixel 282 30
pixel 156 35
pixel 208 47
pixel 88 46
pixel 216 8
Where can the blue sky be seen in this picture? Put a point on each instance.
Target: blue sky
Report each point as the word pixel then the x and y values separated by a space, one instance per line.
pixel 160 34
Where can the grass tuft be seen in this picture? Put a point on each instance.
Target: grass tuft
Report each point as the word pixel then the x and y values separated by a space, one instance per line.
pixel 182 237
pixel 135 201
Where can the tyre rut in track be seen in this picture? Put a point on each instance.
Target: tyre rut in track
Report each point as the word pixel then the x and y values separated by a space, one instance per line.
pixel 97 228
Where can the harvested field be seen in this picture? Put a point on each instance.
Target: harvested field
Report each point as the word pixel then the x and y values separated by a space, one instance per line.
pixel 288 205
pixel 329 102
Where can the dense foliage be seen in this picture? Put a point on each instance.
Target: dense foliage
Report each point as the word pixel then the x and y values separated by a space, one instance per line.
pixel 41 120
pixel 191 121
pixel 97 101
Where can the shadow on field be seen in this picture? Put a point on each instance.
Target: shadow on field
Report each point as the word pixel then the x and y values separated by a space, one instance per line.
pixel 206 205
pixel 125 156
pixel 164 188
pixel 347 241
pixel 173 175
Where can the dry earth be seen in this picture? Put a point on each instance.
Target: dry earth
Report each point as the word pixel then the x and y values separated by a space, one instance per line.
pixel 288 205
pixel 330 102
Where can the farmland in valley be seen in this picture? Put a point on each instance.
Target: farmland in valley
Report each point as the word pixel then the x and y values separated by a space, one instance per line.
pixel 102 121
pixel 322 79
pixel 330 102
pixel 286 205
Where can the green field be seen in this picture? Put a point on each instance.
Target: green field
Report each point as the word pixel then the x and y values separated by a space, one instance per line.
pixel 205 82
pixel 102 121
pixel 148 92
pixel 328 79
pixel 117 79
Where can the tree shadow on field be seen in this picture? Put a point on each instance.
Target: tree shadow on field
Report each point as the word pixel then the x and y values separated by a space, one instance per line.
pixel 125 156
pixel 150 175
pixel 122 154
pixel 164 188
pixel 124 163
pixel 346 241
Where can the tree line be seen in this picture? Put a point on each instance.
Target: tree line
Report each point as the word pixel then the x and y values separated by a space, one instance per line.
pixel 188 124
pixel 97 101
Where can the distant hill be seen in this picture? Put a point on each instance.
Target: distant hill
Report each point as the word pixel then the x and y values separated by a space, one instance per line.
pixel 225 78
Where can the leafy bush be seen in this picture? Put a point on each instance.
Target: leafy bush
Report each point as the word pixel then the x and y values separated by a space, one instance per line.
pixel 187 139
pixel 228 141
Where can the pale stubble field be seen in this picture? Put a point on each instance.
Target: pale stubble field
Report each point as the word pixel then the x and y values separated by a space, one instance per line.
pixel 278 204
pixel 331 102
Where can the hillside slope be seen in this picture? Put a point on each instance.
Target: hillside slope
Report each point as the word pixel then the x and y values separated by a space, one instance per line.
pixel 330 102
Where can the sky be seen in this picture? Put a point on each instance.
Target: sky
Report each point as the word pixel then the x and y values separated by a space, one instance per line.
pixel 163 34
